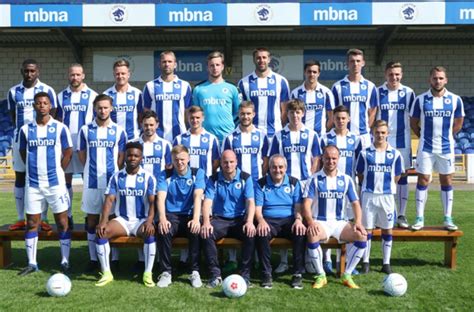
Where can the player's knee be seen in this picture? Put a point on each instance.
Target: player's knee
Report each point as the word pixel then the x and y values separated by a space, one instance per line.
pixel 32 223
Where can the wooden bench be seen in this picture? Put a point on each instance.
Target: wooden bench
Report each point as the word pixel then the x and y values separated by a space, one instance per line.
pixel 429 234
pixel 6 237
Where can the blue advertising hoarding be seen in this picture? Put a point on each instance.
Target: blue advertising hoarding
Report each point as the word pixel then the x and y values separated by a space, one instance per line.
pixel 191 14
pixel 191 65
pixel 333 62
pixel 46 15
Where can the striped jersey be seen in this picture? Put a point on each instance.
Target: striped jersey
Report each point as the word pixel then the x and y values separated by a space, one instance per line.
pixel 266 94
pixel 299 148
pixel 379 170
pixel 102 146
pixel 126 107
pixel 76 109
pixel 359 98
pixel 317 103
pixel 349 148
pixel 156 155
pixel 21 100
pixel 44 146
pixel 329 195
pixel 169 100
pixel 250 148
pixel 131 193
pixel 203 149
pixel 436 116
pixel 394 107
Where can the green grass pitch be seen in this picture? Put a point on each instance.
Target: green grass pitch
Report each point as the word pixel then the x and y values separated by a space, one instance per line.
pixel 431 286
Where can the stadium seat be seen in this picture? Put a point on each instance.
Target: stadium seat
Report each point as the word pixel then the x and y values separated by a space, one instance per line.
pixel 457 151
pixel 468 148
pixel 461 135
pixel 464 141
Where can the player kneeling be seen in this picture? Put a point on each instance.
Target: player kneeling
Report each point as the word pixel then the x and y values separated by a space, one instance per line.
pixel 133 190
pixel 323 208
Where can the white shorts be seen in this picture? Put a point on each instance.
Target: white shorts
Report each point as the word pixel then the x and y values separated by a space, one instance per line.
pixel 378 210
pixel 75 166
pixel 365 140
pixel 18 164
pixel 333 228
pixel 406 155
pixel 92 200
pixel 131 227
pixel 426 163
pixel 37 199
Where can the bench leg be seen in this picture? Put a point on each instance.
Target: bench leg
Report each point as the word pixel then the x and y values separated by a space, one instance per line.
pixel 450 253
pixel 5 252
pixel 342 263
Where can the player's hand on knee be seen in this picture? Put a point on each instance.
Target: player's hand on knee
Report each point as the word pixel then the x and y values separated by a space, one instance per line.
pixel 358 227
pixel 194 226
pixel 249 229
pixel 100 229
pixel 164 227
pixel 313 229
pixel 298 227
pixel 263 229
pixel 206 230
pixel 149 228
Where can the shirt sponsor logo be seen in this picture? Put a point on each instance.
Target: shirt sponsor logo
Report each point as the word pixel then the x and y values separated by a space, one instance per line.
pixel 331 195
pixel 379 168
pixel 131 192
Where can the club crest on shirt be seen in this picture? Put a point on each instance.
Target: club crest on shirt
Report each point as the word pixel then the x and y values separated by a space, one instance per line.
pixel 85 95
pixel 51 129
pixel 319 95
pixel 111 131
pixel 238 185
pixel 340 183
pixel 304 135
pixel 158 147
pixel 350 141
pixel 389 155
pixel 189 182
pixel 130 96
pixel 177 86
pixel 287 190
pixel 271 81
pixel 255 137
pixel 447 101
pixel 140 179
pixel 204 140
pixel 363 87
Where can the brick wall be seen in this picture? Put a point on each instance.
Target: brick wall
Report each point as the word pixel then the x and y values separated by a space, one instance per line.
pixel 417 61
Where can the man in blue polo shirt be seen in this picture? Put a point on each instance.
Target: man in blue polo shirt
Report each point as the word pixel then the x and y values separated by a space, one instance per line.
pixel 180 193
pixel 230 196
pixel 277 210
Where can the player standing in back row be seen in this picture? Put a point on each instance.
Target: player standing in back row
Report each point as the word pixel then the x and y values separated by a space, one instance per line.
pixel 75 109
pixel 359 95
pixel 169 97
pixel 268 91
pixel 127 100
pixel 394 105
pixel 436 117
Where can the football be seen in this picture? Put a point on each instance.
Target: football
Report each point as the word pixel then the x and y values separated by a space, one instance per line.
pixel 58 285
pixel 234 286
pixel 395 285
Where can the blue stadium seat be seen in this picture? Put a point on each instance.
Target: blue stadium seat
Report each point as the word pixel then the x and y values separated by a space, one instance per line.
pixel 457 151
pixel 461 135
pixel 464 141
pixel 469 151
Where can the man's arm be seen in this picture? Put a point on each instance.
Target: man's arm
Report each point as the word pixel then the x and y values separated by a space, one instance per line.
pixel 372 113
pixel 67 155
pixel 457 126
pixel 163 224
pixel 206 229
pixel 194 224
pixel 415 126
pixel 104 217
pixel 249 227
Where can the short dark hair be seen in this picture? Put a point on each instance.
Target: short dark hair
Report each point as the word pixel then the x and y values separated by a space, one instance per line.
pixel 30 61
pixel 195 109
pixel 310 63
pixel 341 109
pixel 393 64
pixel 247 104
pixel 103 97
pixel 261 49
pixel 439 69
pixel 41 94
pixel 121 62
pixel 295 104
pixel 134 144
pixel 352 52
pixel 150 114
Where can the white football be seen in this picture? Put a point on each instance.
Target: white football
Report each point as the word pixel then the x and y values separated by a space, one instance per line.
pixel 395 285
pixel 234 286
pixel 58 285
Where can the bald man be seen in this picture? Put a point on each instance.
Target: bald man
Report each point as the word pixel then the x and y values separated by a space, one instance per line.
pixel 229 196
